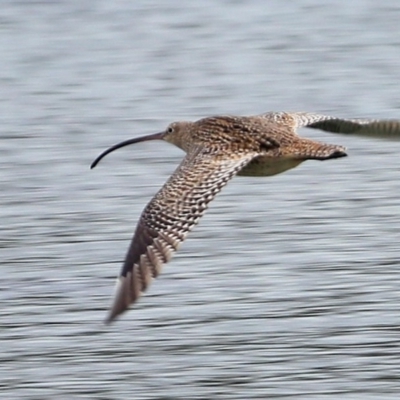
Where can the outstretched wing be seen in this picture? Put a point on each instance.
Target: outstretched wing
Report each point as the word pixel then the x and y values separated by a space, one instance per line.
pixel 389 129
pixel 169 217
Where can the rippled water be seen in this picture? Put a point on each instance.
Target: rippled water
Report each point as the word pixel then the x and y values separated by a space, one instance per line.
pixel 289 286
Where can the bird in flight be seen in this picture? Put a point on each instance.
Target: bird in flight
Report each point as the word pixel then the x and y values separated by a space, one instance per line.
pixel 218 148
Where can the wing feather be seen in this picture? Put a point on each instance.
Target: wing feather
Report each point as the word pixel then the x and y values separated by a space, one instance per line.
pixel 385 129
pixel 388 129
pixel 169 217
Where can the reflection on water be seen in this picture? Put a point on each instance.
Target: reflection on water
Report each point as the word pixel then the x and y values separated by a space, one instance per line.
pixel 287 288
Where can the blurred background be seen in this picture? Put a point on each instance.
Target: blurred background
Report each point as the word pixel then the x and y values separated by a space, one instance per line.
pixel 288 288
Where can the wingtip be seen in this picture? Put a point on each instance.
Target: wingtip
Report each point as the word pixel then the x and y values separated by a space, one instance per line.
pixel 121 300
pixel 110 319
pixel 116 308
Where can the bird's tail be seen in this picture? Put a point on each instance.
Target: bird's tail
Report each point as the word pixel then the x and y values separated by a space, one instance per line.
pixel 306 149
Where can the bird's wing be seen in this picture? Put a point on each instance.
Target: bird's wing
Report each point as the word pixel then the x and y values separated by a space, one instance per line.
pixel 168 218
pixel 294 120
pixel 389 129
pixel 386 129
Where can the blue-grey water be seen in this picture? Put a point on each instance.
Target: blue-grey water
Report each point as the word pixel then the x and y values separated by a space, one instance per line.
pixel 288 288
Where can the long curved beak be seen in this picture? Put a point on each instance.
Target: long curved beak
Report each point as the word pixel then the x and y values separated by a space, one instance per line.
pixel 155 136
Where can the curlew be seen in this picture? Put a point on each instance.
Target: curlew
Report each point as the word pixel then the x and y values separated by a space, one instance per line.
pixel 217 148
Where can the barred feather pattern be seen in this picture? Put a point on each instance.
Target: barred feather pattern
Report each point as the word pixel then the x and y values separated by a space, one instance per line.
pixel 389 129
pixel 169 217
pixel 218 148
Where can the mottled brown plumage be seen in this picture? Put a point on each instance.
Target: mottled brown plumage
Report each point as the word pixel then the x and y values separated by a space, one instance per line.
pixel 217 149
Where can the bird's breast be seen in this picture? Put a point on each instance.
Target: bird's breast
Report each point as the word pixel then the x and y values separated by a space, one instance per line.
pixel 268 166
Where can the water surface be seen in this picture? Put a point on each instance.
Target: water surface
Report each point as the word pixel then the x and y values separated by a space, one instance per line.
pixel 288 288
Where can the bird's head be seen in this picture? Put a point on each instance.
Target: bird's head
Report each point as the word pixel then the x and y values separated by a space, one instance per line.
pixel 176 133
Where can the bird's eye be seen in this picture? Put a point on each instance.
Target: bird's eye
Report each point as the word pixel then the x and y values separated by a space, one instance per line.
pixel 170 129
